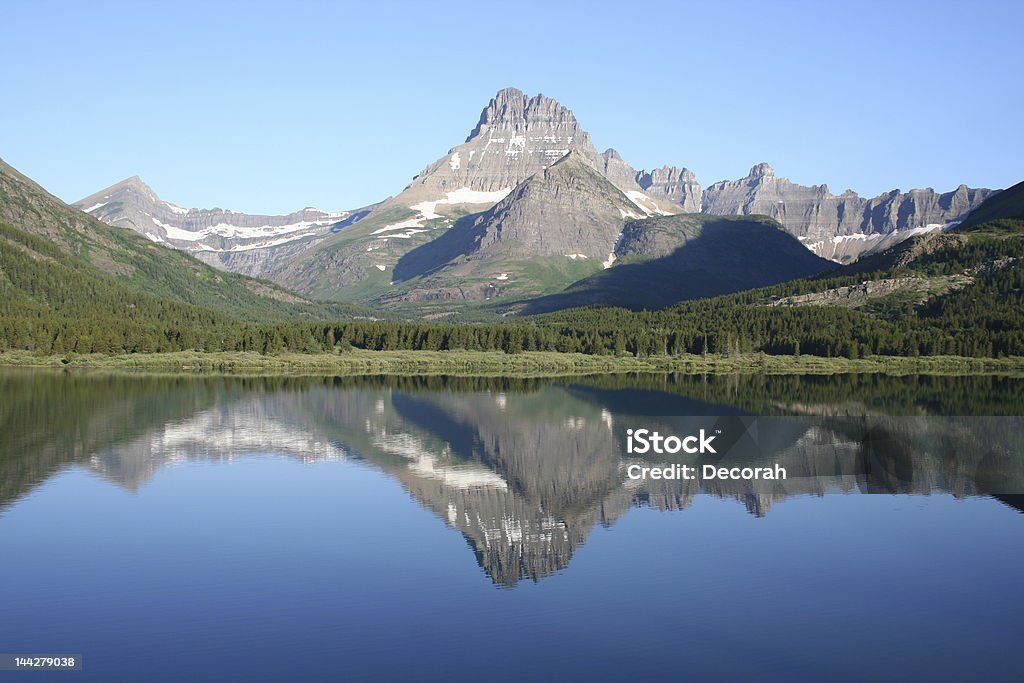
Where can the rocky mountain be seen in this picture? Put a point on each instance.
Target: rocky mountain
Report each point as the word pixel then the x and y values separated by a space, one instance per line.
pixel 229 240
pixel 554 227
pixel 842 227
pixel 522 248
pixel 620 173
pixel 372 255
pixel 516 137
pixel 1004 209
pixel 678 185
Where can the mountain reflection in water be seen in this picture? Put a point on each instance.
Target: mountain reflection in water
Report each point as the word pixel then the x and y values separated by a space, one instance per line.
pixel 525 469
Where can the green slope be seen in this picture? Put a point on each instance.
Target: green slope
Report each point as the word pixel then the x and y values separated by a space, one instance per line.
pixel 95 249
pixel 48 295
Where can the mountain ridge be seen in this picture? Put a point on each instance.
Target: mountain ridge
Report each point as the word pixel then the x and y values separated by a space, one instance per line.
pixel 667 259
pixel 354 258
pixel 229 240
pixel 568 212
pixel 121 258
pixel 840 227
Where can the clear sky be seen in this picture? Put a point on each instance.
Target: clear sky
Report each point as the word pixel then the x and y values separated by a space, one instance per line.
pixel 269 107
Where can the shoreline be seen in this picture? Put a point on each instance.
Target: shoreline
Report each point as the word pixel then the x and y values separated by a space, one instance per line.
pixel 496 363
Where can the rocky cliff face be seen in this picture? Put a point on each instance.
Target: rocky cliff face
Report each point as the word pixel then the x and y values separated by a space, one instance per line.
pixel 617 171
pixel 678 185
pixel 356 255
pixel 565 210
pixel 239 242
pixel 842 227
pixel 515 137
pixel 567 216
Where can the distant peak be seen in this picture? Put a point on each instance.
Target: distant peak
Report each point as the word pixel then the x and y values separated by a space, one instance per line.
pixel 133 183
pixel 672 172
pixel 512 108
pixel 610 154
pixel 510 93
pixel 761 170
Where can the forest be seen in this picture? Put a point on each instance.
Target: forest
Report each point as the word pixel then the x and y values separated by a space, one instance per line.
pixel 50 305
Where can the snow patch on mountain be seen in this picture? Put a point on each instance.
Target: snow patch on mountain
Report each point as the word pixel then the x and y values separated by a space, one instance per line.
pixel 269 235
pixel 427 210
pixel 645 204
pixel 840 248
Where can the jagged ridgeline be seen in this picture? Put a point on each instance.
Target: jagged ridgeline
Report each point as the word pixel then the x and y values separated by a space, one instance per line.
pixel 959 292
pixel 491 223
pixel 230 240
pixel 845 227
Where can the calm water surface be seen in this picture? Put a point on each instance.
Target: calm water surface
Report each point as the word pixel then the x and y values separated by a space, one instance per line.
pixel 442 529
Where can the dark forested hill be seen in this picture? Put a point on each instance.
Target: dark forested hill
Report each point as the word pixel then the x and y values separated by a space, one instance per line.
pixel 667 259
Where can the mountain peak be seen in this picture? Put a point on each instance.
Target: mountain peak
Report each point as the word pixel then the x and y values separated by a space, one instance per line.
pixel 761 170
pixel 513 109
pixel 132 184
pixel 515 137
pixel 136 183
pixel 678 185
pixel 510 93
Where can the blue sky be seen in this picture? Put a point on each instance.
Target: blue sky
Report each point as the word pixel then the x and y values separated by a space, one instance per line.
pixel 272 107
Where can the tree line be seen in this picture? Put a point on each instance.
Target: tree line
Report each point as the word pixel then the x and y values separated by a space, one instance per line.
pixel 48 306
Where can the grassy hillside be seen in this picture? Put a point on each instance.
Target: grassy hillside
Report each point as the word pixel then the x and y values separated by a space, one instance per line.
pixel 94 249
pixel 49 296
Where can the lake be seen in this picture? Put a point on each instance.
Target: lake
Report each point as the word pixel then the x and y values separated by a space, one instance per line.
pixel 210 528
